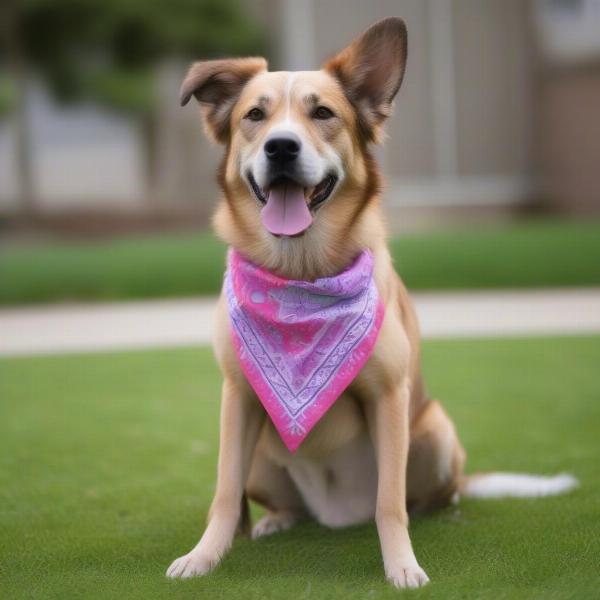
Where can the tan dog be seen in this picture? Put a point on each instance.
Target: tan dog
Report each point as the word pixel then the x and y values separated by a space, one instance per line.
pixel 384 445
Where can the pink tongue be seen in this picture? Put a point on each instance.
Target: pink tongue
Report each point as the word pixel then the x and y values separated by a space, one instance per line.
pixel 286 212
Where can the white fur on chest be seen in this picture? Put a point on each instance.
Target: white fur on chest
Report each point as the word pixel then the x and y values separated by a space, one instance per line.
pixel 334 469
pixel 342 489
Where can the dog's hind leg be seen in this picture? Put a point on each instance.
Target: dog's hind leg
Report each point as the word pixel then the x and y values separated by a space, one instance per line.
pixel 435 460
pixel 271 486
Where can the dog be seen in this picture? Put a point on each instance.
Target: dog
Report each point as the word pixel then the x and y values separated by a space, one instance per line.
pixel 384 447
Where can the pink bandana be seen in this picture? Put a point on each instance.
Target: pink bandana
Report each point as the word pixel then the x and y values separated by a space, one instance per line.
pixel 300 343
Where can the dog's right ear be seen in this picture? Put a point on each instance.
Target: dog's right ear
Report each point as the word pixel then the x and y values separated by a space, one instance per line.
pixel 217 84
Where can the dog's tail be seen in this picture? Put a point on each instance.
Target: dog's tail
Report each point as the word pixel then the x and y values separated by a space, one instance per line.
pixel 516 485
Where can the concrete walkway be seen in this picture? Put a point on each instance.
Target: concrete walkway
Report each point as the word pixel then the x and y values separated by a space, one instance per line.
pixel 172 323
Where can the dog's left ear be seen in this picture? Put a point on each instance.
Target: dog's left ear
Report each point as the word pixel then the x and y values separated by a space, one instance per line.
pixel 217 84
pixel 370 70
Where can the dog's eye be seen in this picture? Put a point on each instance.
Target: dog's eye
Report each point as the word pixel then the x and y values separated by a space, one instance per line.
pixel 323 113
pixel 255 114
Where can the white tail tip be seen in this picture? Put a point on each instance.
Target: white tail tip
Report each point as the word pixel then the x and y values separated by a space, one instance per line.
pixel 501 485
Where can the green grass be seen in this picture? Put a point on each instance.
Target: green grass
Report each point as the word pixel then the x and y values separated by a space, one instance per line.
pixel 527 255
pixel 108 465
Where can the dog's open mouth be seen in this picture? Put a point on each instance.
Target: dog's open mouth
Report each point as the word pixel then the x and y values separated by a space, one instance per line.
pixel 287 205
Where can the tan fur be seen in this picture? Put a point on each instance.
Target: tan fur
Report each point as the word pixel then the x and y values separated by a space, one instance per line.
pixel 353 465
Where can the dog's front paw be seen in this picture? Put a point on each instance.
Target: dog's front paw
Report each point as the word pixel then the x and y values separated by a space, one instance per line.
pixel 408 577
pixel 190 565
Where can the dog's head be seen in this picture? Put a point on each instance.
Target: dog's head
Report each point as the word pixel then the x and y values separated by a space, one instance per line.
pixel 297 142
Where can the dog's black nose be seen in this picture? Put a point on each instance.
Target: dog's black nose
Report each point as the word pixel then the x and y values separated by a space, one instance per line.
pixel 283 148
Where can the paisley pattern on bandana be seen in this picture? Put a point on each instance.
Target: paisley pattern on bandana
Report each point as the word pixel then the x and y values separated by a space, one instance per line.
pixel 300 343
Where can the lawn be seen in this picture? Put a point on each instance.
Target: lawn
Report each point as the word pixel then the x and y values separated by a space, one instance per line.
pixel 108 466
pixel 529 255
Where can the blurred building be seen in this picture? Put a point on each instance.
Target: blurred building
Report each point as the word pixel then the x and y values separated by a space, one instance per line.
pixel 498 112
pixel 568 103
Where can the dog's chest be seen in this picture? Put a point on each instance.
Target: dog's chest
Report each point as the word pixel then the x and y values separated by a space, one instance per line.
pixel 340 425
pixel 334 469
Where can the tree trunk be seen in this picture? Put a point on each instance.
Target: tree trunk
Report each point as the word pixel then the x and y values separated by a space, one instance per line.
pixel 17 65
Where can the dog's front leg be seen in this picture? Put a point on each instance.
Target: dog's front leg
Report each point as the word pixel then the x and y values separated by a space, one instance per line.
pixel 241 418
pixel 388 425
